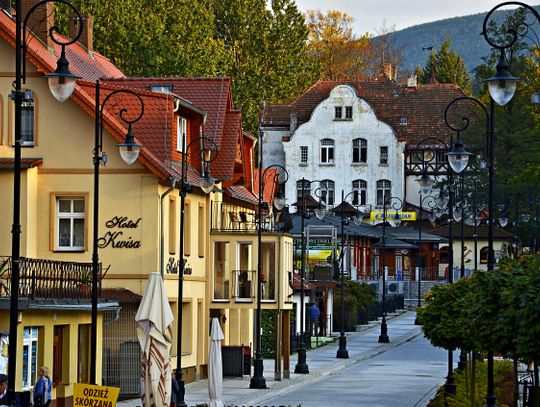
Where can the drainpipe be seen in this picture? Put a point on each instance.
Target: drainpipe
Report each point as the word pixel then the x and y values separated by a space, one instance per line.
pixel 162 210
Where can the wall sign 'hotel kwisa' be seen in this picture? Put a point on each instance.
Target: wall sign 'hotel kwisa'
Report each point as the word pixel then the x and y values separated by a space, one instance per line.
pixel 116 238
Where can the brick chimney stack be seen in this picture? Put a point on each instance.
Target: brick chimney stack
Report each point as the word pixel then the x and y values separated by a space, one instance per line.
pixel 40 21
pixel 87 36
pixel 387 70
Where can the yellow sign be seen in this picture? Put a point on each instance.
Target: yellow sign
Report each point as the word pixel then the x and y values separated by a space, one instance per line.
pixel 391 215
pixel 89 395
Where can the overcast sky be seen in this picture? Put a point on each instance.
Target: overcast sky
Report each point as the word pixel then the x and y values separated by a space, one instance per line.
pixel 369 15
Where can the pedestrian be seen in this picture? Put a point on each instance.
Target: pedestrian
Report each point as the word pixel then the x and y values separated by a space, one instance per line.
pixel 42 389
pixel 314 315
pixel 4 394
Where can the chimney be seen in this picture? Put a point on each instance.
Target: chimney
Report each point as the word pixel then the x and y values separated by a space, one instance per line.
pixel 412 81
pixel 387 70
pixel 87 36
pixel 40 21
pixel 394 73
pixel 293 122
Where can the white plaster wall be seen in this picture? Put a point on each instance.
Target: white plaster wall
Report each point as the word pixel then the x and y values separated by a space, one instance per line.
pixel 364 124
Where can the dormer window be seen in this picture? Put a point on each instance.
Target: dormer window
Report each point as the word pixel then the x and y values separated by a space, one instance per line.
pixel 161 88
pixel 338 112
pixel 403 121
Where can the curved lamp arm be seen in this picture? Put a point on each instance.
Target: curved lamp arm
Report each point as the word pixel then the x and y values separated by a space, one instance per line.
pixel 129 149
pixel 280 177
pixel 61 81
pixel 207 154
pixel 458 158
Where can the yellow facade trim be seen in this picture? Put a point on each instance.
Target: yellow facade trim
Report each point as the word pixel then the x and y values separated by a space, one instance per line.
pixel 91 171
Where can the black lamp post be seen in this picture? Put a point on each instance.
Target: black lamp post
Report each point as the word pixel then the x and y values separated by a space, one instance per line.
pixel 301 364
pixel 396 204
pixel 344 210
pixel 280 176
pixel 208 153
pixel 428 156
pixel 129 151
pixel 61 84
pixel 429 200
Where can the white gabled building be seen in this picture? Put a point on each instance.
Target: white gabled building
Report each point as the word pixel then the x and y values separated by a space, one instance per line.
pixel 354 136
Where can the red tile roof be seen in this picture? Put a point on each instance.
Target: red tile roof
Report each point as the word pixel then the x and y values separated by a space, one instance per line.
pixel 242 193
pixel 423 106
pixel 88 66
pixel 213 95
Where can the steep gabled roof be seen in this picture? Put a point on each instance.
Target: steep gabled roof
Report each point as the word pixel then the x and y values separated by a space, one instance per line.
pixel 213 95
pixel 422 106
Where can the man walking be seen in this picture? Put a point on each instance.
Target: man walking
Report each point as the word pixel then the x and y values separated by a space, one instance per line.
pixel 314 315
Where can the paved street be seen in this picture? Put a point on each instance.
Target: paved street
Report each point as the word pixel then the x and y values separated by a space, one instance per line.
pixel 403 376
pixel 403 373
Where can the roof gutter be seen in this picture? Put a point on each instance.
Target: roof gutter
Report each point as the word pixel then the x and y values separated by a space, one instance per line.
pixel 182 102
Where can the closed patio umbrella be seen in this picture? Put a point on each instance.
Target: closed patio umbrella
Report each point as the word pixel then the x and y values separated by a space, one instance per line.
pixel 215 365
pixel 154 318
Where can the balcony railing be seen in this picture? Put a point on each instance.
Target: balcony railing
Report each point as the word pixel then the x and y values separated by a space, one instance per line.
pixel 233 218
pixel 49 279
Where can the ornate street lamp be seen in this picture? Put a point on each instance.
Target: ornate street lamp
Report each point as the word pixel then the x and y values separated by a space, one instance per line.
pixel 304 207
pixel 208 152
pixel 344 210
pixel 61 86
pixel 395 204
pixel 99 157
pixel 279 176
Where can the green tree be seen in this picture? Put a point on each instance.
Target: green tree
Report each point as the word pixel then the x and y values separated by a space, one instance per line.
pixel 447 65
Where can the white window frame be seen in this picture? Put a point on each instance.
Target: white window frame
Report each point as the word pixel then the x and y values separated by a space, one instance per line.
pixel 30 342
pixel 359 187
pixel 328 192
pixel 181 133
pixel 72 216
pixel 384 190
pixel 359 145
pixel 383 158
pixel 327 151
pixel 304 154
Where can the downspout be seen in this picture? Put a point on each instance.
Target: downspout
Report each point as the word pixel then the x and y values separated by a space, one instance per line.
pixel 162 210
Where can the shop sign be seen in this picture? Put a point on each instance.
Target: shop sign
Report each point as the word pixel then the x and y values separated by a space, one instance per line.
pixel 391 215
pixel 90 395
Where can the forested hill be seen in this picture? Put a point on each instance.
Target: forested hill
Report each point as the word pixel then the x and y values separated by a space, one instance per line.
pixel 465 33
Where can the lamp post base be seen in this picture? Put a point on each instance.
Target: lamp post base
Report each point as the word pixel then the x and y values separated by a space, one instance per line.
pixel 181 390
pixel 301 367
pixel 450 386
pixel 417 321
pixel 383 337
pixel 342 352
pixel 258 381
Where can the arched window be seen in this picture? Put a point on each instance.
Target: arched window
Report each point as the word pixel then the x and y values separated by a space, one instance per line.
pixel 359 150
pixel 359 188
pixel 484 252
pixel 328 192
pixel 384 188
pixel 327 151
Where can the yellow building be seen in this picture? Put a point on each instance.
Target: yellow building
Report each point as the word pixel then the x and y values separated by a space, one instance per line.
pixel 138 225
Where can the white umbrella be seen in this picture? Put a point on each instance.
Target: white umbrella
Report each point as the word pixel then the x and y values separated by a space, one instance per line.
pixel 215 365
pixel 155 317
